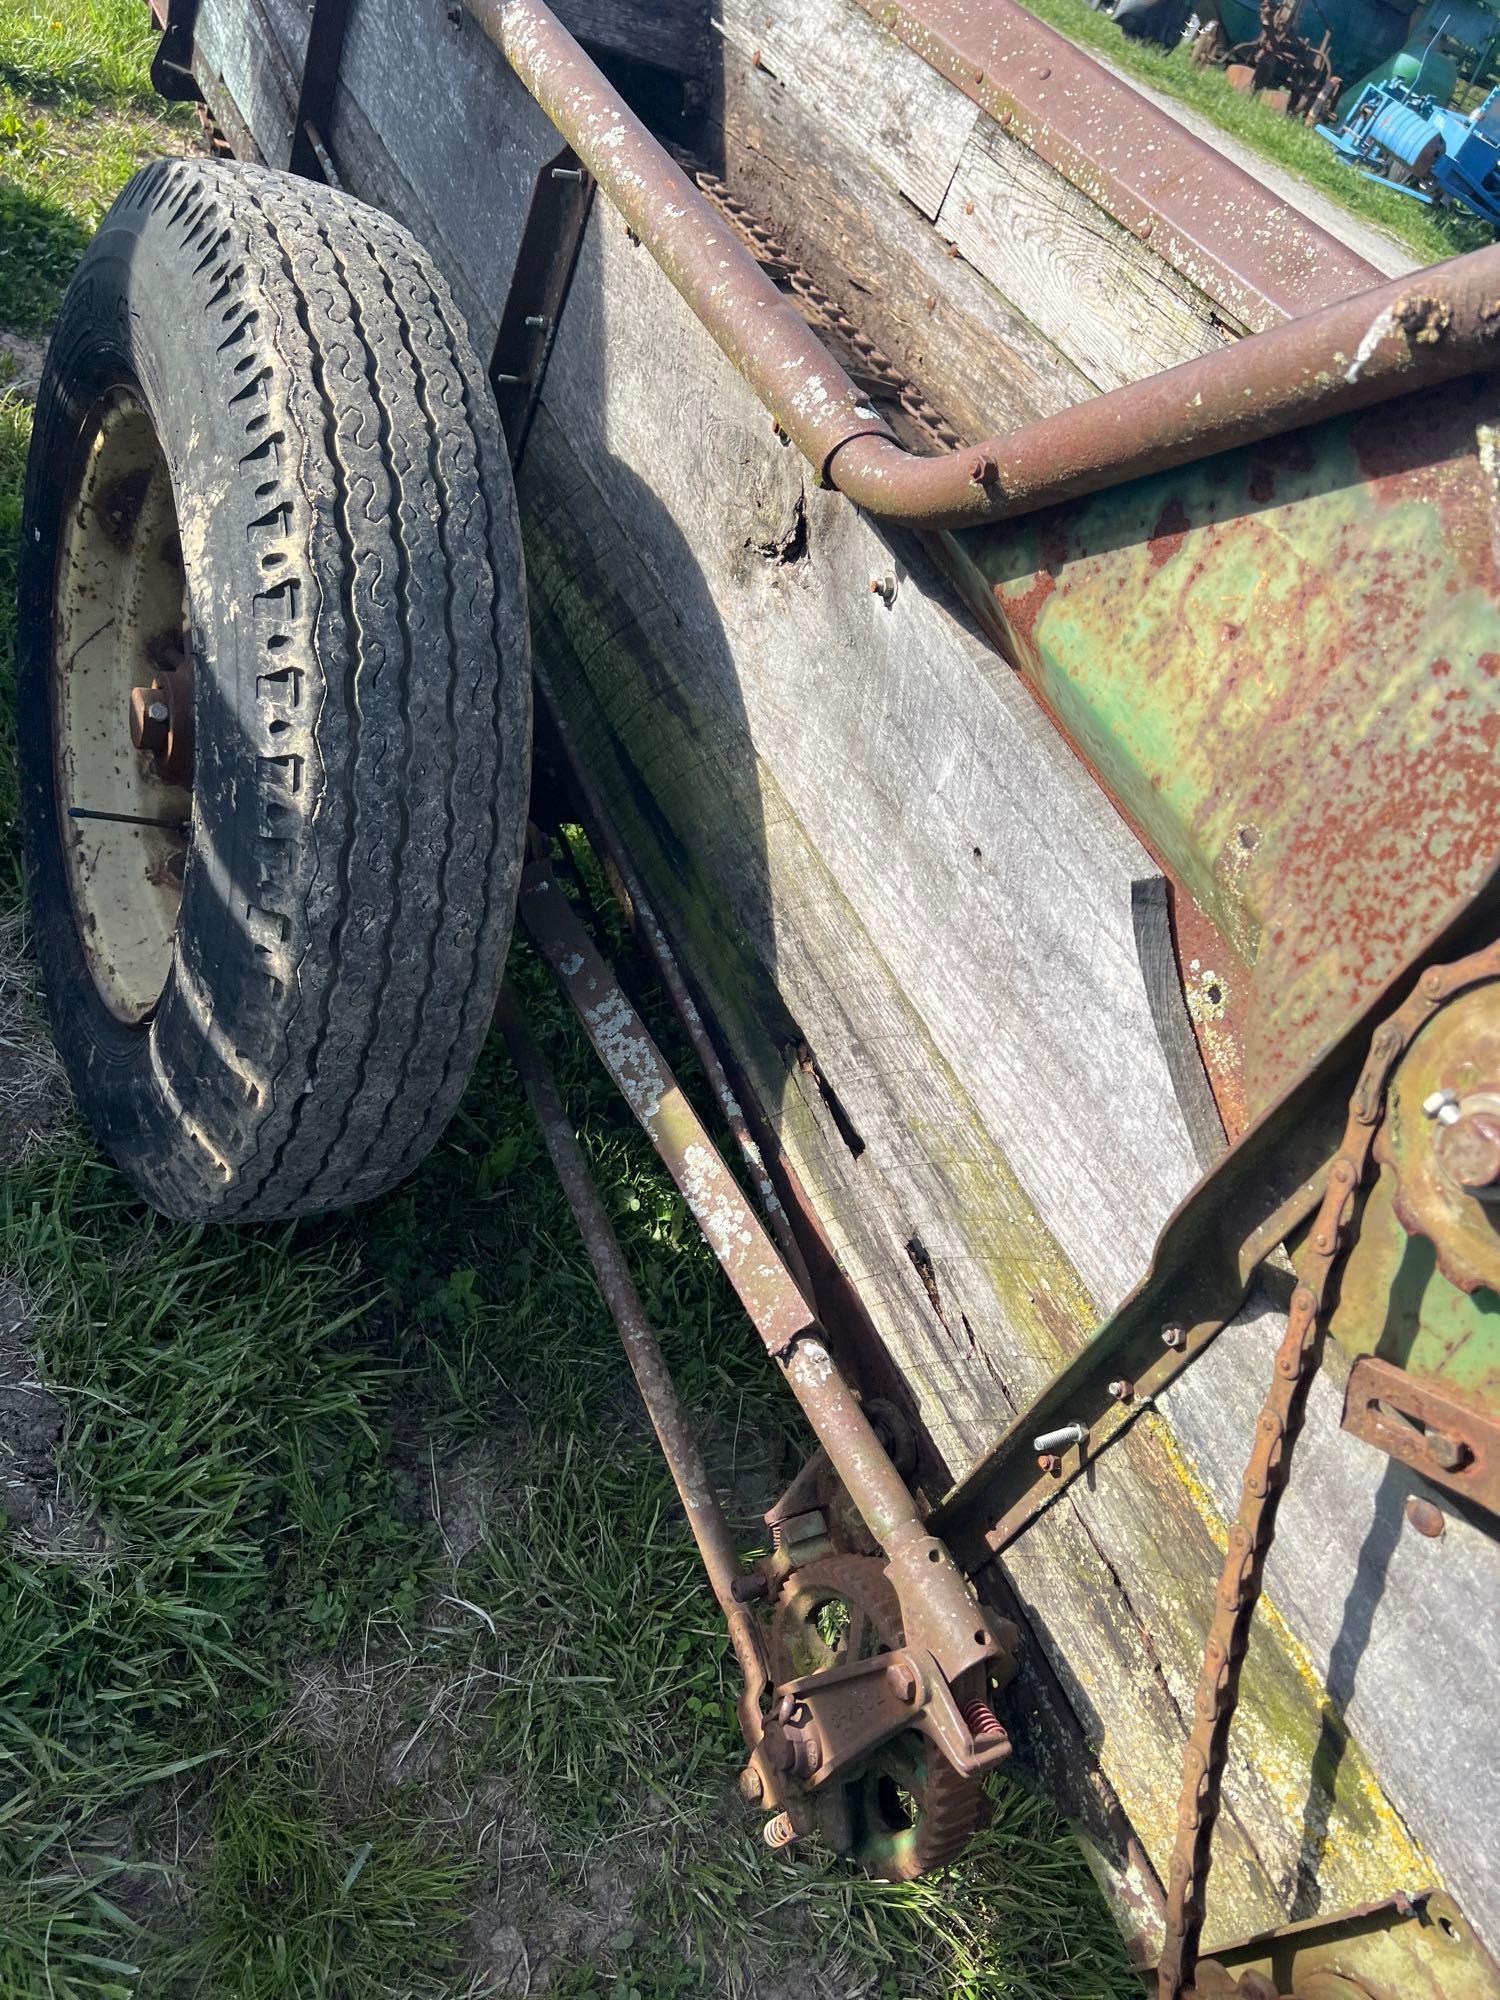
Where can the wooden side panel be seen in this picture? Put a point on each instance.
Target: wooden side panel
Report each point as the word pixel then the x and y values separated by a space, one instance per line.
pixel 805 775
pixel 669 34
pixel 934 315
pixel 243 49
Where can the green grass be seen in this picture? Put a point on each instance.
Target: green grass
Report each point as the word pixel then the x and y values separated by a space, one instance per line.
pixel 1430 234
pixel 280 1725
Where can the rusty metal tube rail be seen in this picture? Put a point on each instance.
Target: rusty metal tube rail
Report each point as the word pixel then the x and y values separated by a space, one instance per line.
pixel 705 1517
pixel 1409 334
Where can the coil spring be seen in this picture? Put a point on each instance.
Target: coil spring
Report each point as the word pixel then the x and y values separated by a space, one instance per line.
pixel 981 1720
pixel 779 1832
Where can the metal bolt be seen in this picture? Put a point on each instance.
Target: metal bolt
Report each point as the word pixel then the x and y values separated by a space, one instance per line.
pixel 1442 1105
pixel 1424 1517
pixel 1468 1146
pixel 149 721
pixel 1121 1390
pixel 567 173
pixel 1047 1462
pixel 536 319
pixel 883 587
pixel 1060 1439
pixel 498 377
pixel 752 1785
pixel 1449 1454
pixel 1174 1337
pixel 901 1678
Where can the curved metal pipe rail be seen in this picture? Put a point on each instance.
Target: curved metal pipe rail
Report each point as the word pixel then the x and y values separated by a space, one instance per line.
pixel 1425 328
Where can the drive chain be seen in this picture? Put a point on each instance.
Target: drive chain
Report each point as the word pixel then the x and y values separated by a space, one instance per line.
pixel 1266 1474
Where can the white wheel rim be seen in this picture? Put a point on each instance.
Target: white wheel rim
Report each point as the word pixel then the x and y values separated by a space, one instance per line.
pixel 119 624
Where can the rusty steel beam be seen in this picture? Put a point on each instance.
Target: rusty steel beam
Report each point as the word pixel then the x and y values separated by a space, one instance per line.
pixel 1405 335
pixel 1250 251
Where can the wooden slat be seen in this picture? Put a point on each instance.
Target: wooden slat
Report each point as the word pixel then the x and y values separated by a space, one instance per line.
pixel 1115 310
pixel 874 99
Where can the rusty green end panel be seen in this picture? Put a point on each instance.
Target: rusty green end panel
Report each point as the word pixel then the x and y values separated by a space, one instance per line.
pixel 1414 1945
pixel 1282 665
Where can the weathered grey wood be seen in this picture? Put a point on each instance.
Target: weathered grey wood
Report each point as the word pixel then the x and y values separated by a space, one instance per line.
pixel 241 47
pixel 826 779
pixel 1116 310
pixel 943 324
pixel 876 100
pixel 668 34
pixel 1101 298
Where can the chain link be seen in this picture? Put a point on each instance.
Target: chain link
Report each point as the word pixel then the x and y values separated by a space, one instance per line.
pixel 820 308
pixel 1265 1475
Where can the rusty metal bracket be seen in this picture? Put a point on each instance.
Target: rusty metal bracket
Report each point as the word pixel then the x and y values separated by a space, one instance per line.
pixel 550 241
pixel 1200 1273
pixel 172 64
pixel 1429 1428
pixel 1409 1945
pixel 320 74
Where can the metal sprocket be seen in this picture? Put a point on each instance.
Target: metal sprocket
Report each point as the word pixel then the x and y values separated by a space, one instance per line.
pixel 905 1811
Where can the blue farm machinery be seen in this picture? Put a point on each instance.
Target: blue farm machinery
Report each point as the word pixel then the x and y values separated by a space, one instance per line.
pixel 1407 139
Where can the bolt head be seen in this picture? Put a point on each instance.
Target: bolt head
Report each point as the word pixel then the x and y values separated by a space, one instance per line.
pixel 1047 1461
pixel 901 1678
pixel 752 1785
pixel 1120 1389
pixel 1442 1105
pixel 1424 1517
pixel 1174 1337
pixel 1449 1454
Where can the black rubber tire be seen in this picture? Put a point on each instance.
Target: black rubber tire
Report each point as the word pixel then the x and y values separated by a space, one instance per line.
pixel 362 692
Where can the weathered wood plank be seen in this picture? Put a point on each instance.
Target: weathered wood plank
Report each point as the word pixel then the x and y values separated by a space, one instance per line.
pixel 943 324
pixel 874 98
pixel 668 34
pixel 242 48
pixel 1112 307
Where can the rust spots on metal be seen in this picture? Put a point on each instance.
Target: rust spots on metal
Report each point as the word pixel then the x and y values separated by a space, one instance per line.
pixel 1282 667
pixel 1169 534
pixel 117 506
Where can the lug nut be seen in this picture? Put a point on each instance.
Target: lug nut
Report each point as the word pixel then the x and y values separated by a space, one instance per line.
pixel 1121 1390
pixel 1174 1337
pixel 883 587
pixel 1047 1462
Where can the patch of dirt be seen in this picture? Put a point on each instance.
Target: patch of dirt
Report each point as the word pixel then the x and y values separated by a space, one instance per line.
pixel 35 1101
pixel 35 1498
pixel 21 365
